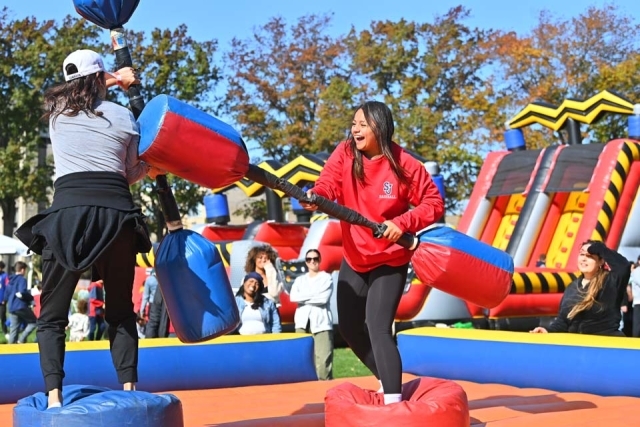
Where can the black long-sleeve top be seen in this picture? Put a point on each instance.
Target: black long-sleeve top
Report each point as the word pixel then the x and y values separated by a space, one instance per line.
pixel 603 318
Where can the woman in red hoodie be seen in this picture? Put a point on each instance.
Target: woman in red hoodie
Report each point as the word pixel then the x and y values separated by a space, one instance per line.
pixel 373 175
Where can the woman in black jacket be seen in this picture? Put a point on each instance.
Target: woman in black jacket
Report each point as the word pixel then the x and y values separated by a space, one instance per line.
pixel 591 303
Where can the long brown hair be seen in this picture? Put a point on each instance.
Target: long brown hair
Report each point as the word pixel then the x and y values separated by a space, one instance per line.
pixel 595 285
pixel 73 97
pixel 380 119
pixel 250 264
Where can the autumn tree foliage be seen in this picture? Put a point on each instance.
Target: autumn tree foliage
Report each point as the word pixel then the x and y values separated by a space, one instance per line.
pixel 431 76
pixel 572 58
pixel 291 88
pixel 283 81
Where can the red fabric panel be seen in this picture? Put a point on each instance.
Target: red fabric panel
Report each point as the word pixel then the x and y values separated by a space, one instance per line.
pixel 528 305
pixel 210 160
pixel 138 287
pixel 426 402
pixel 411 302
pixel 285 238
pixel 461 275
pixel 217 233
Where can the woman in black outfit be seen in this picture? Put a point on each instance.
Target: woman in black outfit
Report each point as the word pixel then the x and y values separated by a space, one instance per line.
pixel 591 303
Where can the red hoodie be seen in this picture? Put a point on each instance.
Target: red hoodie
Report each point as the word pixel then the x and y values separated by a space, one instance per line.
pixel 380 198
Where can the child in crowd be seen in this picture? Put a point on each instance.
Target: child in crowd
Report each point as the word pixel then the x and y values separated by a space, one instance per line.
pixel 79 322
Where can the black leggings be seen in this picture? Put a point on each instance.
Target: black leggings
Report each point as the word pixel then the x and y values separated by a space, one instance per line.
pixel 116 266
pixel 367 304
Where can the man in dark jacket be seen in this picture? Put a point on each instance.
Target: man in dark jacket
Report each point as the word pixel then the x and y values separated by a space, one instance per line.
pixel 18 300
pixel 159 324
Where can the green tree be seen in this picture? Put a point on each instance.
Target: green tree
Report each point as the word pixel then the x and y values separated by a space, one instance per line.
pixel 171 63
pixel 255 209
pixel 283 82
pixel 432 76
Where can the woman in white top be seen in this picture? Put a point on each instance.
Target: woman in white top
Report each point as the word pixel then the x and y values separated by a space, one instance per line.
pixel 312 291
pixel 258 315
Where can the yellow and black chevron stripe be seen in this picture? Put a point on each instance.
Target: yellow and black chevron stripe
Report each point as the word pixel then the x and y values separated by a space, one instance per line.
pixel 304 168
pixel 146 260
pixel 250 187
pixel 224 248
pixel 629 153
pixel 319 216
pixel 540 283
pixel 587 111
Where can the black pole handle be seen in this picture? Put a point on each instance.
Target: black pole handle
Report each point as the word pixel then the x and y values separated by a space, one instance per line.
pixel 123 59
pixel 168 204
pixel 259 175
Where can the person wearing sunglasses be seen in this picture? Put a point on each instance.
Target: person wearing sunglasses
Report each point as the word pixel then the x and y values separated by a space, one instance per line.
pixel 373 175
pixel 312 291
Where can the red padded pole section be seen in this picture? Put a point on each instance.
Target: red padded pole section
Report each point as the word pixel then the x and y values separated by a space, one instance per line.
pixel 209 159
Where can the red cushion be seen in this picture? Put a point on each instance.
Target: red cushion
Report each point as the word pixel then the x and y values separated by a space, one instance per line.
pixel 426 402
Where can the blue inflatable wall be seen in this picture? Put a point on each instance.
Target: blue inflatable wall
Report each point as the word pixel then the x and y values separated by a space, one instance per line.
pixel 560 362
pixel 165 364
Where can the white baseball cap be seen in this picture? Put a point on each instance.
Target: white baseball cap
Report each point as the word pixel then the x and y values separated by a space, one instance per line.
pixel 86 61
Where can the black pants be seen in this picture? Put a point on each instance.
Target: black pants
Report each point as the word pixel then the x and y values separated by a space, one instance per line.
pixel 636 321
pixel 116 266
pixel 367 304
pixel 3 317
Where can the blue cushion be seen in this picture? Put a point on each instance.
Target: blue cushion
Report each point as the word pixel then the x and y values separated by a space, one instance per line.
pixel 85 405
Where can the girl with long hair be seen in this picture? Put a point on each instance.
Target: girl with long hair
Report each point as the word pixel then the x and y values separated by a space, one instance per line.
pixel 591 303
pixel 261 259
pixel 373 175
pixel 93 222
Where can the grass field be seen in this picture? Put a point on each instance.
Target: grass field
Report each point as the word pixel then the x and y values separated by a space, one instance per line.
pixel 346 364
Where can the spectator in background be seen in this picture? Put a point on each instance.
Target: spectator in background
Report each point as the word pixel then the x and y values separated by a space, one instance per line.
pixel 4 281
pixel 258 315
pixel 634 281
pixel 591 303
pixel 97 324
pixel 262 259
pixel 159 323
pixel 36 291
pixel 79 322
pixel 150 286
pixel 312 291
pixel 18 300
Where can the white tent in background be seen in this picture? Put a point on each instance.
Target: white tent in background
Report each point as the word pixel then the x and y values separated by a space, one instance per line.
pixel 11 246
